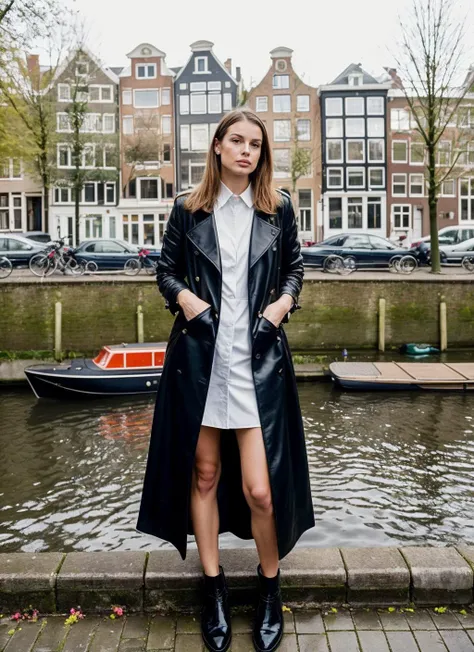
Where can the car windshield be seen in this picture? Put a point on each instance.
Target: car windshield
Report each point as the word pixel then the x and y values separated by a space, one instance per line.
pixel 381 243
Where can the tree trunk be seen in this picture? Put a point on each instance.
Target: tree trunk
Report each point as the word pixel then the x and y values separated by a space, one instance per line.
pixel 433 211
pixel 46 190
pixel 76 218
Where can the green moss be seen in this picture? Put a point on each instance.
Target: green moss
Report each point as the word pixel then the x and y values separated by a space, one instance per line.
pixel 408 312
pixel 466 313
pixel 335 314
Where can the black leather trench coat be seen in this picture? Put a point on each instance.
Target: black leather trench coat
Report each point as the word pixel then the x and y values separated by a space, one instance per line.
pixel 190 259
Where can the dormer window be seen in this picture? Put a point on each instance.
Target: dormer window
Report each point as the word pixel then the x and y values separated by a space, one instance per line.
pixel 356 79
pixel 146 70
pixel 200 65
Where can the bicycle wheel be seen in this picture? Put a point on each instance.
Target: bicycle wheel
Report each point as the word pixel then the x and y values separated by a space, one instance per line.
pixel 150 267
pixel 92 267
pixel 132 267
pixel 75 267
pixel 394 264
pixel 333 264
pixel 5 267
pixel 408 264
pixel 42 264
pixel 349 265
pixel 468 263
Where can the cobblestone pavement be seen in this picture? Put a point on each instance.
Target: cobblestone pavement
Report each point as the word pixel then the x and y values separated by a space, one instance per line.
pixel 356 630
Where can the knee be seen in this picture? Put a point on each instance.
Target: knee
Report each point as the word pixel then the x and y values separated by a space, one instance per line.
pixel 206 477
pixel 260 498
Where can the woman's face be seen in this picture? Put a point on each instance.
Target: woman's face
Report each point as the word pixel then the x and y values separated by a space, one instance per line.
pixel 240 148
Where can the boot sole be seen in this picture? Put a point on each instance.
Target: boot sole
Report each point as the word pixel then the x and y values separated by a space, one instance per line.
pixel 268 649
pixel 214 649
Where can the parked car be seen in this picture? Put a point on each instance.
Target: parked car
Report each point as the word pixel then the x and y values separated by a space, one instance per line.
pixel 38 236
pixel 111 254
pixel 362 250
pixel 449 235
pixel 18 249
pixel 453 254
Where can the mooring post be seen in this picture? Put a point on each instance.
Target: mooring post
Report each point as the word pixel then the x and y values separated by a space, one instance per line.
pixel 58 312
pixel 381 324
pixel 443 326
pixel 140 333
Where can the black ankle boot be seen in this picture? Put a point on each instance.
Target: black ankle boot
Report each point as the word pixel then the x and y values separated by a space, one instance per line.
pixel 215 613
pixel 268 625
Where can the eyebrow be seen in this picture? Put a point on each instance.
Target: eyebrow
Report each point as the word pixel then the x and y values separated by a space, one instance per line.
pixel 240 136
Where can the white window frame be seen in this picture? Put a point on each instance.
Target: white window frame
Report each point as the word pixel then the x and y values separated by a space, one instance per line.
pixel 341 172
pixel 139 189
pixel 308 134
pixel 287 95
pixel 278 86
pixel 107 147
pixel 127 92
pixel 340 123
pixel 352 100
pixel 469 199
pixel 165 93
pixel 335 101
pixel 377 160
pixel 113 184
pixel 60 114
pixel 62 86
pixel 259 100
pixel 10 176
pixel 108 115
pixel 194 128
pixel 412 162
pixel 370 121
pixel 401 206
pixel 146 66
pixel 214 86
pixel 341 144
pixel 83 193
pixel 439 151
pixel 81 75
pixel 281 175
pixel 127 119
pixel 184 128
pixel 227 102
pixel 349 124
pixel 194 96
pixel 371 111
pixel 405 176
pixel 146 90
pixel 196 65
pixel 359 170
pixel 217 96
pixel 416 194
pixel 184 105
pixel 287 128
pixel 88 146
pixel 395 119
pixel 299 102
pixel 453 182
pixel 59 146
pixel 165 118
pixel 101 99
pixel 355 140
pixel 371 185
pixel 406 142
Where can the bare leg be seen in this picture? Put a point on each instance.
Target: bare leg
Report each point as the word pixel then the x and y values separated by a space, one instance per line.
pixel 204 512
pixel 256 487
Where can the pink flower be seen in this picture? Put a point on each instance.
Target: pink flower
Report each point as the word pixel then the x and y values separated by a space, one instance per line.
pixel 16 616
pixel 72 611
pixel 118 611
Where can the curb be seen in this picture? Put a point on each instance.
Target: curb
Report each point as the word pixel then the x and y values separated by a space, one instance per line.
pixel 310 577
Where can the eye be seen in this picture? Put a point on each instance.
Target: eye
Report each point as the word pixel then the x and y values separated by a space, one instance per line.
pixel 257 145
pixel 235 140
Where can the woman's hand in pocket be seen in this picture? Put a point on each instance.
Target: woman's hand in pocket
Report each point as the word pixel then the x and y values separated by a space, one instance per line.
pixel 275 311
pixel 191 304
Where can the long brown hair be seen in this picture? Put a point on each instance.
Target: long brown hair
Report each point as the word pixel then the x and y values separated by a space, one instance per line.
pixel 266 198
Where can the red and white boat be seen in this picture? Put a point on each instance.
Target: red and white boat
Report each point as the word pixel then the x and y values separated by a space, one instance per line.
pixel 119 369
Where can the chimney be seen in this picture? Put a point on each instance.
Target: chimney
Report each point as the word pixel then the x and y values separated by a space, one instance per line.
pixel 228 65
pixel 395 78
pixel 33 65
pixel 238 73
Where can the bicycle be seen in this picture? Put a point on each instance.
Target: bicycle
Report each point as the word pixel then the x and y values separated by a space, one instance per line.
pixel 6 267
pixel 55 257
pixel 133 266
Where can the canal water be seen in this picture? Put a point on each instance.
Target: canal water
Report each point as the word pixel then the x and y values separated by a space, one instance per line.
pixel 386 469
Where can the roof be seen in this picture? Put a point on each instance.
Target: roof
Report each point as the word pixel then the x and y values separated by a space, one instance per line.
pixel 116 69
pixel 136 345
pixel 343 78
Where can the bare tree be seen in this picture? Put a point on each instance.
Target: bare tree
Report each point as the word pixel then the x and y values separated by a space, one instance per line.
pixel 24 21
pixel 430 61
pixel 144 147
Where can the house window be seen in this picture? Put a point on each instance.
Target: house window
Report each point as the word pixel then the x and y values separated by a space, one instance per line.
pixel 375 127
pixel 281 81
pixel 214 101
pixel 376 150
pixel 4 211
pixel 166 153
pixel 401 216
pixel 108 123
pixel 145 98
pixel 227 101
pixel 92 123
pixel 355 177
pixel 305 206
pixel 261 104
pixel 184 137
pixel 127 125
pixel 356 79
pixel 448 188
pixel 89 193
pixel 467 156
pixel 417 153
pixel 98 93
pixel 281 163
pixel 145 70
pixel 375 106
pixel 88 156
pixel 334 151
pixel 165 124
pixel 82 69
pixel 148 188
pixel 281 130
pixel 333 105
pixel 354 212
pixel 183 86
pixel 281 103
pixel 169 191
pixel 355 127
pixel 334 177
pixel 400 151
pixel 355 151
pixel 399 184
pixel 399 120
pixel 17 211
pixel 184 104
pixel 354 106
pixel 335 212
pixel 109 156
pixel 303 128
pixel 62 123
pixel 214 86
pixel 10 168
pixel 302 103
pixel 376 178
pixel 200 65
pixel 466 188
pixel 443 154
pixel 334 128
pixel 374 213
pixel 416 185
pixel 64 93
pixel 165 96
pixel 127 96
pixel 64 156
pixel 199 138
pixel 198 103
pixel 110 193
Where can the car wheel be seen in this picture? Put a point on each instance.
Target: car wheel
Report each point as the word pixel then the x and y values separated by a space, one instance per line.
pixel 407 264
pixel 131 267
pixel 349 265
pixel 468 263
pixel 92 267
pixel 333 264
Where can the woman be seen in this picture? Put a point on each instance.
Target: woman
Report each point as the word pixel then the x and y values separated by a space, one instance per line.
pixel 227 450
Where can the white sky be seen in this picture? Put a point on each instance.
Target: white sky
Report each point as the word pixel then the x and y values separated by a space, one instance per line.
pixel 326 35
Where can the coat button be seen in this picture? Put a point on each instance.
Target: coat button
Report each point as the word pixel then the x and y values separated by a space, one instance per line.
pixel 278 339
pixel 258 356
pixel 259 314
pixel 196 278
pixel 184 331
pixel 196 252
pixel 179 371
pixel 274 248
pixel 272 291
pixel 280 371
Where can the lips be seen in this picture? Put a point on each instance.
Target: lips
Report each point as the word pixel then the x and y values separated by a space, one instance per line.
pixel 247 163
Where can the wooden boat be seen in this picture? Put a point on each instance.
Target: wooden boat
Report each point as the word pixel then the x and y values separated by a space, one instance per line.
pixel 403 375
pixel 119 369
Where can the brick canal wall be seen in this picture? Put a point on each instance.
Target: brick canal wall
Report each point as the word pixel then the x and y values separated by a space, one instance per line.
pixel 335 314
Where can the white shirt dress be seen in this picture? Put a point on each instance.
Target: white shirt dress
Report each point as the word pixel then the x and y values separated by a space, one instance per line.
pixel 231 401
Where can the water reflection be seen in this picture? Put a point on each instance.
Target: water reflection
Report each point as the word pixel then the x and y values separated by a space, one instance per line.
pixel 386 469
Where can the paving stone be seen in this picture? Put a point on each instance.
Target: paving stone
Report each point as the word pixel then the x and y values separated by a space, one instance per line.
pixel 309 622
pixel 373 641
pixel 343 642
pixel 420 619
pixel 188 625
pixel 288 644
pixel 242 624
pixel 313 643
pixel 466 620
pixel 189 643
pixel 316 574
pixel 241 643
pixel 28 579
pixel 366 619
pixel 288 622
pixel 430 641
pixel 136 626
pixel 132 645
pixel 52 635
pixel 340 620
pixel 107 636
pixel 446 621
pixel 162 633
pixel 457 641
pixel 24 637
pixel 393 620
pixel 402 642
pixel 80 634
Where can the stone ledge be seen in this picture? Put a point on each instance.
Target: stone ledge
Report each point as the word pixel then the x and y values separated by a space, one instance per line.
pixel 161 581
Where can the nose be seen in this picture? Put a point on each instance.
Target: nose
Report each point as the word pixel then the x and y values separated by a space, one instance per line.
pixel 246 149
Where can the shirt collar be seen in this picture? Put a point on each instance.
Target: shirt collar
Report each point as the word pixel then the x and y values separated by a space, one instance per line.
pixel 225 194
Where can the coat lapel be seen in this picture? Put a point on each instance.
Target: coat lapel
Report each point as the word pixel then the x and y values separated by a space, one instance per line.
pixel 263 236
